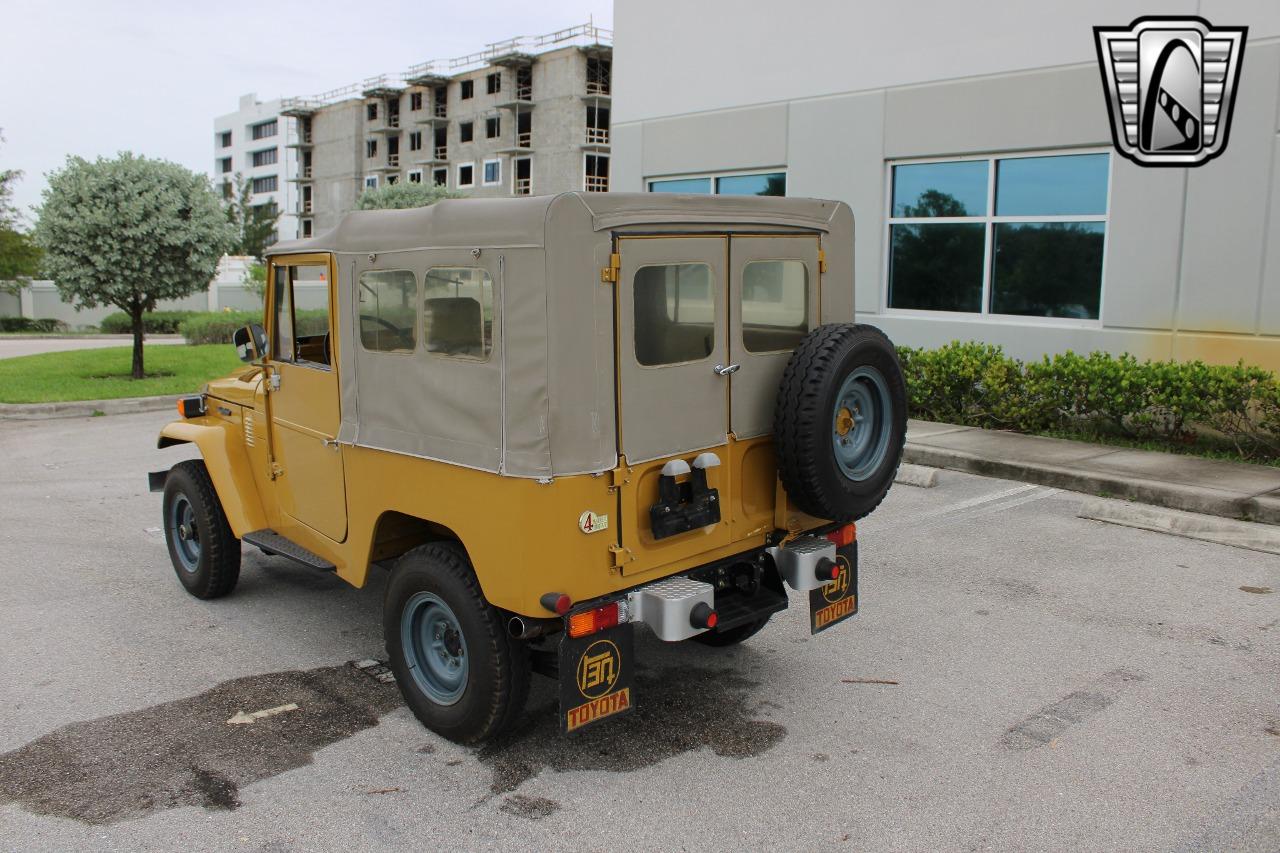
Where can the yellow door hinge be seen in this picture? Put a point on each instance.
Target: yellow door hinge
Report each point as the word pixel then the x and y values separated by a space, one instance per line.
pixel 621 556
pixel 610 273
pixel 822 261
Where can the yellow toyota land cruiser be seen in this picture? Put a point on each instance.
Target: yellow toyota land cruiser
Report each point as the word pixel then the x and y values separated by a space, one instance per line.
pixel 550 419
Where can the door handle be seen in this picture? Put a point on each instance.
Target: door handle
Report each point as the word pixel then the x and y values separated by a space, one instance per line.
pixel 726 369
pixel 331 443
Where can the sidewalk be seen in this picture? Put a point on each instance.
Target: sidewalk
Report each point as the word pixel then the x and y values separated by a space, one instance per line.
pixel 1208 486
pixel 12 346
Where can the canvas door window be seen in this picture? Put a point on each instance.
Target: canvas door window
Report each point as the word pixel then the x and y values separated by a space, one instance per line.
pixel 773 296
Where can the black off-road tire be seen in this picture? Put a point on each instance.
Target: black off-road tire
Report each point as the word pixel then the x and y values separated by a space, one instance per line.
pixel 218 566
pixel 735 635
pixel 803 415
pixel 498 669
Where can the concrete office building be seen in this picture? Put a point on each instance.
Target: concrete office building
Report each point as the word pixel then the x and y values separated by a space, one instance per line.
pixel 252 142
pixel 973 142
pixel 528 115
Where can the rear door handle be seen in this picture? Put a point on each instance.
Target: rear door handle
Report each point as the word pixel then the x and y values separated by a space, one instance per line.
pixel 726 369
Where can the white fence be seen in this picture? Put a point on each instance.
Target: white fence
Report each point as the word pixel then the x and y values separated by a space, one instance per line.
pixel 40 299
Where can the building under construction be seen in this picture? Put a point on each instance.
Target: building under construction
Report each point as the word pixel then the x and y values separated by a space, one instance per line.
pixel 527 115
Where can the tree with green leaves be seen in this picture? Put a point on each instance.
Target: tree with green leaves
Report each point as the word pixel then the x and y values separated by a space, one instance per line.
pixel 19 255
pixel 255 224
pixel 401 195
pixel 130 232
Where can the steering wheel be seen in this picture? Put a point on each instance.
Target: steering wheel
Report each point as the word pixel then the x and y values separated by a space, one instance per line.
pixel 403 338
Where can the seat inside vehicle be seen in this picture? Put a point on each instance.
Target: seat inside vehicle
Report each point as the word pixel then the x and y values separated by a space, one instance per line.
pixel 454 326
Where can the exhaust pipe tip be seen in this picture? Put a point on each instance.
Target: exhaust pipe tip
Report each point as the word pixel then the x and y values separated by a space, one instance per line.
pixel 517 628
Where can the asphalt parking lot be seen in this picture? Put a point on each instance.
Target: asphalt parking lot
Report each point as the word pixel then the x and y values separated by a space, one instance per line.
pixel 1017 678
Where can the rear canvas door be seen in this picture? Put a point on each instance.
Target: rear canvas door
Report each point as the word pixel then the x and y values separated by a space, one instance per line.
pixel 672 315
pixel 773 299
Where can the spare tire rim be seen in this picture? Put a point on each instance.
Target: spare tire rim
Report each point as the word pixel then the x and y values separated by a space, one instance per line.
pixel 434 648
pixel 860 423
pixel 185 533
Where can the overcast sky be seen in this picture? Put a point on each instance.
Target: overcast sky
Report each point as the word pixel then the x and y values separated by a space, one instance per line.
pixel 94 77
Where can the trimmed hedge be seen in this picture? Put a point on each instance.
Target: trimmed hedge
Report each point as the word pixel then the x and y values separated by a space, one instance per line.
pixel 217 327
pixel 1180 405
pixel 26 324
pixel 153 323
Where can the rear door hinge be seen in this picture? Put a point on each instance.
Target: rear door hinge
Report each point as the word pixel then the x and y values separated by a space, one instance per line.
pixel 621 556
pixel 610 273
pixel 822 261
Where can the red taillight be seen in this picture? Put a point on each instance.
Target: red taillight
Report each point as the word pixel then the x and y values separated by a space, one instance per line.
pixel 594 620
pixel 843 536
pixel 556 602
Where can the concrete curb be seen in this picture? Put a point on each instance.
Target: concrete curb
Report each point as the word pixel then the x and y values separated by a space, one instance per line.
pixel 1223 531
pixel 916 475
pixel 84 408
pixel 1198 499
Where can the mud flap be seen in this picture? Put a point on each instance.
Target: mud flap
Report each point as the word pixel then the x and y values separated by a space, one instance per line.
pixel 596 674
pixel 837 601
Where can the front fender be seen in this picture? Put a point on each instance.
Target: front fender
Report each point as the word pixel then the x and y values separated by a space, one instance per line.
pixel 221 446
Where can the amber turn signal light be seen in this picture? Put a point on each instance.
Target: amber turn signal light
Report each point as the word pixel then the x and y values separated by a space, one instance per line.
pixel 592 621
pixel 843 536
pixel 191 407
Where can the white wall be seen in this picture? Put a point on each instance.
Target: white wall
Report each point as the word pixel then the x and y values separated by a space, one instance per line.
pixel 251 112
pixel 1192 257
pixel 675 57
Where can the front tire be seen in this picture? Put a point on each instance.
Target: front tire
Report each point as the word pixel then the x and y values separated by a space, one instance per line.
pixel 204 551
pixel 458 670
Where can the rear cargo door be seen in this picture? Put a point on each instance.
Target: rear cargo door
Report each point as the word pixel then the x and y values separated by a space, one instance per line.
pixel 773 303
pixel 672 345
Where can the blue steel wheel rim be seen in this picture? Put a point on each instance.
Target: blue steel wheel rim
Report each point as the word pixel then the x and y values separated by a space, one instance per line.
pixel 861 423
pixel 434 648
pixel 186 534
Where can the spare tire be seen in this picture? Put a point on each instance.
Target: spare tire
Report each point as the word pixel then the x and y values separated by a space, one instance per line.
pixel 840 421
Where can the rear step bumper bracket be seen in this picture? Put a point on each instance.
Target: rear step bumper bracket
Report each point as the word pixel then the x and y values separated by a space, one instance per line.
pixel 799 560
pixel 667 606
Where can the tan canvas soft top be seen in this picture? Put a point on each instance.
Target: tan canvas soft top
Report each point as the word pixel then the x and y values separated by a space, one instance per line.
pixel 542 403
pixel 525 221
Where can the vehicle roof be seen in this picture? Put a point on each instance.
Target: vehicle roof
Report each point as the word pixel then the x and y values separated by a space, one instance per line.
pixel 525 221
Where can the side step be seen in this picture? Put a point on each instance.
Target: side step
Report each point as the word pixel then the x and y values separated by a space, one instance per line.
pixel 270 542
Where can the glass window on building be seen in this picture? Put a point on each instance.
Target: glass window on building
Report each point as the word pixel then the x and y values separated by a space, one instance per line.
pixel 1014 235
pixel 762 183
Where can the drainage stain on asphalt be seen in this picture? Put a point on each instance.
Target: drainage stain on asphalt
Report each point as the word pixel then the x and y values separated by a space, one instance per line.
pixel 677 710
pixel 532 808
pixel 184 753
pixel 1052 720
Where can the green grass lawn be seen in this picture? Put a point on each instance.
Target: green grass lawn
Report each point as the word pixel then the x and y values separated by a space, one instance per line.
pixel 103 374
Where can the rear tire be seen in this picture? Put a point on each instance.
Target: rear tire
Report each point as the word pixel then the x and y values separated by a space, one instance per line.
pixel 204 551
pixel 735 635
pixel 840 421
pixel 458 670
